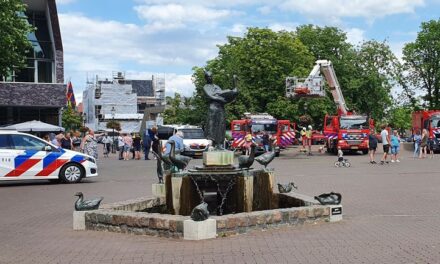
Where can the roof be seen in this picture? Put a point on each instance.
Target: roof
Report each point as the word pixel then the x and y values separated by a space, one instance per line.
pixel 143 87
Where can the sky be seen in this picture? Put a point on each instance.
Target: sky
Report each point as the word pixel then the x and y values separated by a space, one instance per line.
pixel 169 37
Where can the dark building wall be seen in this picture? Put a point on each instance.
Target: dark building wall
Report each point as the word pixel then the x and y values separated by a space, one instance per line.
pixel 56 32
pixel 32 94
pixel 143 87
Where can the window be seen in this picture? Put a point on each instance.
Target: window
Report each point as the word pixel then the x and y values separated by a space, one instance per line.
pixel 4 142
pixel 193 133
pixel 354 123
pixel 237 127
pixel 22 142
pixel 264 127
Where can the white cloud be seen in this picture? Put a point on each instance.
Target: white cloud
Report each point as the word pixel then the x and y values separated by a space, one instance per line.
pixel 355 35
pixel 174 83
pixel 172 16
pixel 238 28
pixel 283 26
pixel 265 10
pixel 335 9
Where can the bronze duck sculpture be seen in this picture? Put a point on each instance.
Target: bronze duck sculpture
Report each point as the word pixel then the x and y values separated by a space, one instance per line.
pixel 329 198
pixel 267 157
pixel 85 205
pixel 286 188
pixel 179 161
pixel 200 212
pixel 244 161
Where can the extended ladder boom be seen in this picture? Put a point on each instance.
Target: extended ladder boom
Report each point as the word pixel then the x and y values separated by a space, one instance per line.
pixel 330 76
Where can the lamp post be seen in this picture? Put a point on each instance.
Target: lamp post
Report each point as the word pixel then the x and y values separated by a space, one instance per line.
pixel 113 135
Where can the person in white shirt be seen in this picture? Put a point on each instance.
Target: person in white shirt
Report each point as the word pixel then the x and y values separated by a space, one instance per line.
pixel 121 147
pixel 386 144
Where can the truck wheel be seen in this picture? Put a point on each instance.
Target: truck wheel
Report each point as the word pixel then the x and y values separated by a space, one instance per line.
pixel 71 173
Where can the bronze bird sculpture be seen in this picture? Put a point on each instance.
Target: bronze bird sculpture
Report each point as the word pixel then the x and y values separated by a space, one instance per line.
pixel 200 212
pixel 244 161
pixel 179 161
pixel 159 168
pixel 286 188
pixel 329 198
pixel 85 205
pixel 267 157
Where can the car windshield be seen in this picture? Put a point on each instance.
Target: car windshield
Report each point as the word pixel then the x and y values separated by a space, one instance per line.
pixel 196 133
pixel 354 123
pixel 264 127
pixel 435 122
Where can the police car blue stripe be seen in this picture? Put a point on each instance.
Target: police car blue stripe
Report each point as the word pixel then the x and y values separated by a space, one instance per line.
pixel 51 158
pixel 22 158
pixel 77 158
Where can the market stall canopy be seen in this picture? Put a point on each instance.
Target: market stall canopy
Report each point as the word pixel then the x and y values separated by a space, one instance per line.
pixel 35 126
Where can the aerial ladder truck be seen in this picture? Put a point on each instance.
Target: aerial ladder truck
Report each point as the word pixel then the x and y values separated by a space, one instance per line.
pixel 346 129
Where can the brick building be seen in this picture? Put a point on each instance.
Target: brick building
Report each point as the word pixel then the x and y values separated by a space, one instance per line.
pixel 37 92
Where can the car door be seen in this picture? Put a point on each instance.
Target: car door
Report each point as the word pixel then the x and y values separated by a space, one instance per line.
pixel 29 155
pixel 6 157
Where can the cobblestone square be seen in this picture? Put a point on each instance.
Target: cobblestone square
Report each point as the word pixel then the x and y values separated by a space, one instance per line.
pixel 391 215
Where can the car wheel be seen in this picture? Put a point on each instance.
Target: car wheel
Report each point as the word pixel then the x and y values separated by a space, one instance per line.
pixel 71 173
pixel 364 151
pixel 277 154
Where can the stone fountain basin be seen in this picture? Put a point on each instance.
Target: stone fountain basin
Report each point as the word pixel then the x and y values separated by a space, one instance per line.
pixel 131 217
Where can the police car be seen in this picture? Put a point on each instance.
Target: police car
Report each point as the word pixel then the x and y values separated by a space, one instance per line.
pixel 27 157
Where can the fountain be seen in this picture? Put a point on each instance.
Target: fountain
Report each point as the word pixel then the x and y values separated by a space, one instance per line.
pixel 238 198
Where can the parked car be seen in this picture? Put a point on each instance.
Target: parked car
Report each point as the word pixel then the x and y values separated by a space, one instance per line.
pixel 194 140
pixel 27 157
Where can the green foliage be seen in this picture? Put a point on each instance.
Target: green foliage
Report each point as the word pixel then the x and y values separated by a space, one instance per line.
pixel 422 61
pixel 400 117
pixel 181 110
pixel 14 44
pixel 112 124
pixel 262 59
pixel 71 120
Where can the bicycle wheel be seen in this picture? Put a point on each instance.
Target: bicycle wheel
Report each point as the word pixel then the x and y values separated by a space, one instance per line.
pixel 347 164
pixel 337 164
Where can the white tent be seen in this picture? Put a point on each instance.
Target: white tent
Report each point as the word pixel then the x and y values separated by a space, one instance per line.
pixel 35 126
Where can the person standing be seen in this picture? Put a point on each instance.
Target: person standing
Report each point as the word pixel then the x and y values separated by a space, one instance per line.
pixel 89 144
pixel 121 146
pixel 248 143
pixel 146 144
pixel 66 142
pixel 76 141
pixel 128 143
pixel 372 145
pixel 303 138
pixel 417 140
pixel 106 140
pixel 309 134
pixel 395 146
pixel 386 144
pixel 423 144
pixel 266 141
pixel 137 146
pixel 155 141
pixel 431 148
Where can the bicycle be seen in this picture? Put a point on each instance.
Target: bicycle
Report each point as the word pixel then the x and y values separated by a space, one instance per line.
pixel 343 163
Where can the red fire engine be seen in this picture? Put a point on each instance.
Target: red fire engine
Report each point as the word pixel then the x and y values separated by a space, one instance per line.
pixel 279 130
pixel 430 120
pixel 346 129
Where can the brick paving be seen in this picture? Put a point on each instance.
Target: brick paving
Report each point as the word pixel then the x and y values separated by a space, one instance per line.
pixel 391 215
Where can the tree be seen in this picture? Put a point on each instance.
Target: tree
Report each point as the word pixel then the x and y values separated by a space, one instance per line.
pixel 422 61
pixel 262 59
pixel 14 28
pixel 400 117
pixel 71 120
pixel 112 124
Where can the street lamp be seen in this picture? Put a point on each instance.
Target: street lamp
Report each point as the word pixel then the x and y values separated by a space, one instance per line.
pixel 113 135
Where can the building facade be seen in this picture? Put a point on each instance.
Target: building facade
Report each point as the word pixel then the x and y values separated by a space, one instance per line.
pixel 122 100
pixel 37 92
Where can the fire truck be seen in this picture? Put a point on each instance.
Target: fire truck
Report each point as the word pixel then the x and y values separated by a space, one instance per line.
pixel 279 131
pixel 346 129
pixel 430 120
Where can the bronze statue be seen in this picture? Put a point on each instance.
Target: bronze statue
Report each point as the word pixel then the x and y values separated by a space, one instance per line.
pixel 216 124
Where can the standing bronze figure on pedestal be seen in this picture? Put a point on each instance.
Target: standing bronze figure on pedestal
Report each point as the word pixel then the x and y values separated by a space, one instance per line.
pixel 216 120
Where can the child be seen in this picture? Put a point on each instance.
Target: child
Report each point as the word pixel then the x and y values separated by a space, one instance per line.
pixel 395 146
pixel 340 155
